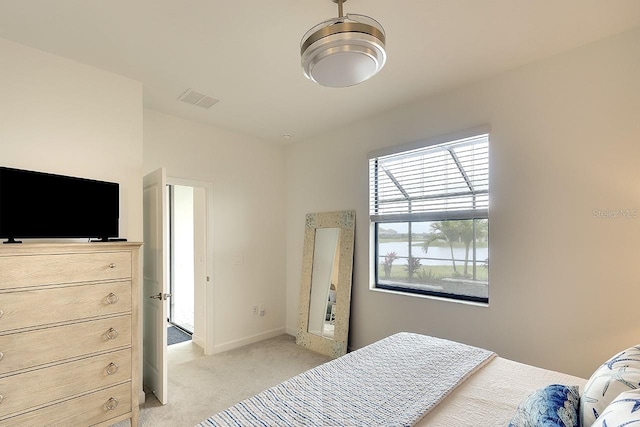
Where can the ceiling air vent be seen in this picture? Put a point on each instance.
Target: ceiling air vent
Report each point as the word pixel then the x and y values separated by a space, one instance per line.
pixel 196 98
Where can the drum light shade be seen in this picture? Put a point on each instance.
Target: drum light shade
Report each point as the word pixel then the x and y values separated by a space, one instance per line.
pixel 343 51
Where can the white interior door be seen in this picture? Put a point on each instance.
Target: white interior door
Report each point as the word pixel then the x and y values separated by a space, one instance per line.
pixel 155 285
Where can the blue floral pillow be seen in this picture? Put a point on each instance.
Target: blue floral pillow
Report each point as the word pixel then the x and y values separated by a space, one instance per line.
pixel 555 405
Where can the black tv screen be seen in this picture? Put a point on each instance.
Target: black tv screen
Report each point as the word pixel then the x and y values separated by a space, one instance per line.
pixel 43 205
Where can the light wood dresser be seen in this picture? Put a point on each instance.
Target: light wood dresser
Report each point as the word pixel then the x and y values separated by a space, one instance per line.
pixel 69 334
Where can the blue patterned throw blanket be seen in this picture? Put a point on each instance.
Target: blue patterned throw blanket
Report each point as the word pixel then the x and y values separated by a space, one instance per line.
pixel 392 382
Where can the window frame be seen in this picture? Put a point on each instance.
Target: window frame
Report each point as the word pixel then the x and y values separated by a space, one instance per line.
pixel 442 215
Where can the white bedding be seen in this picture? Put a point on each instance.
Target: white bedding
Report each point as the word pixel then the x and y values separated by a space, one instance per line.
pixel 392 382
pixel 406 374
pixel 490 396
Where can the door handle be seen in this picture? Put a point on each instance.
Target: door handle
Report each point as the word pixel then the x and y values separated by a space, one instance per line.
pixel 161 296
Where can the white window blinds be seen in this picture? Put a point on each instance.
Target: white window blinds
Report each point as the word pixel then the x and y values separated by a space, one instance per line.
pixel 444 181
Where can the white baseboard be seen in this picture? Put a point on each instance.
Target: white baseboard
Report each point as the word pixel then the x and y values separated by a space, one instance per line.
pixel 292 332
pixel 197 340
pixel 248 340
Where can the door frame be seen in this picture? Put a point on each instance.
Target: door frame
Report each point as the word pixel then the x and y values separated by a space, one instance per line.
pixel 209 334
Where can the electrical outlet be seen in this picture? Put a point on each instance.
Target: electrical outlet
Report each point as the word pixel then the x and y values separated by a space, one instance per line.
pixel 255 310
pixel 262 310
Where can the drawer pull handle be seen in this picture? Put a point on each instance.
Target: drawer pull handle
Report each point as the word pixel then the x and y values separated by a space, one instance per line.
pixel 111 404
pixel 1 355
pixel 1 398
pixel 112 265
pixel 112 298
pixel 1 313
pixel 112 368
pixel 112 334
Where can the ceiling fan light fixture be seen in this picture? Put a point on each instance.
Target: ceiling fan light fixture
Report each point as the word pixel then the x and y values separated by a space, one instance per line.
pixel 343 51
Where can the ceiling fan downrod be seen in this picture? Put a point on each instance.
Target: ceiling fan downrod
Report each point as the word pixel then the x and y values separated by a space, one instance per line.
pixel 340 12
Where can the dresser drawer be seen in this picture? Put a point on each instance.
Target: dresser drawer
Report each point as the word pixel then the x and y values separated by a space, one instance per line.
pixel 42 386
pixel 33 348
pixel 26 308
pixel 20 271
pixel 85 410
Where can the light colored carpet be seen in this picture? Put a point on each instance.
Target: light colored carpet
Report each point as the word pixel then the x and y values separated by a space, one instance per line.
pixel 204 386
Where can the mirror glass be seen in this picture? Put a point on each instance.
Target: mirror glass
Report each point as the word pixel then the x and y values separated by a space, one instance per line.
pixel 323 282
pixel 325 291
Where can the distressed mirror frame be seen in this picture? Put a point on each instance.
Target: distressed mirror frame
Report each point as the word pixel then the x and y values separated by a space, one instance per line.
pixel 345 222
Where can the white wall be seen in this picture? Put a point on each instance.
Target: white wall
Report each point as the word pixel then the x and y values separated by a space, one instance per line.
pixel 63 117
pixel 249 218
pixel 564 285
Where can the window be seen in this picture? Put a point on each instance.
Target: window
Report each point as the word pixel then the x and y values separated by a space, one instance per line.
pixel 429 207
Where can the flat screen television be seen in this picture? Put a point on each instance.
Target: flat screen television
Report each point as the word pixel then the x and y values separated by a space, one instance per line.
pixel 43 205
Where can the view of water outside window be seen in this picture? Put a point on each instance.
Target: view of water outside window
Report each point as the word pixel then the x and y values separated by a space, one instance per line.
pixel 449 256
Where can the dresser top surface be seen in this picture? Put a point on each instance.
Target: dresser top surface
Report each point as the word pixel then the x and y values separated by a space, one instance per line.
pixel 65 247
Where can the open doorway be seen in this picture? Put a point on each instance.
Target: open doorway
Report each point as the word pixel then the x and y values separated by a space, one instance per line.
pixel 186 263
pixel 155 355
pixel 181 263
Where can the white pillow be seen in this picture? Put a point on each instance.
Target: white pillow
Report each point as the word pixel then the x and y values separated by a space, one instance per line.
pixel 623 411
pixel 616 375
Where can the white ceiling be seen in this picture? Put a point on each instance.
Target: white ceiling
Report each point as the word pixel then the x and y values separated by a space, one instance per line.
pixel 246 52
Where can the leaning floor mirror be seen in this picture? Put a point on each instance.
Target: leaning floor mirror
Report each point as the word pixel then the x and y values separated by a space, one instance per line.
pixel 325 290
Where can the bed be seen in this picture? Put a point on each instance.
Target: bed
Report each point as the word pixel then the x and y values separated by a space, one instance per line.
pixel 411 379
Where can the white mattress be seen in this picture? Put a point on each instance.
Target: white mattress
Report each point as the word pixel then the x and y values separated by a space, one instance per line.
pixel 491 395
